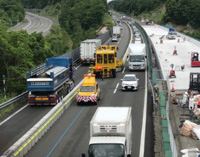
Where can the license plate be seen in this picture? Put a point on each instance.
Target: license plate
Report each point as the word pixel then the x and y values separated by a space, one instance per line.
pixel 129 87
pixel 85 99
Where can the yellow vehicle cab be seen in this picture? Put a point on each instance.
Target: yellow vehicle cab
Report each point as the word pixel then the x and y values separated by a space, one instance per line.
pixel 89 91
pixel 106 64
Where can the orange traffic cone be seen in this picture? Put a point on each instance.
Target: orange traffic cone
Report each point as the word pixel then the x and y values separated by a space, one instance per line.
pixel 172 90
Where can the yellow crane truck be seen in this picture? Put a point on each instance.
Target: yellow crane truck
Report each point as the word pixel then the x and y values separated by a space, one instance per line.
pixel 106 62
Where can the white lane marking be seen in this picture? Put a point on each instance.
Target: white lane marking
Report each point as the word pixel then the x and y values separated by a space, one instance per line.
pixel 123 70
pixel 142 140
pixel 30 22
pixel 116 88
pixel 127 59
pixel 13 115
pixel 77 67
pixel 49 25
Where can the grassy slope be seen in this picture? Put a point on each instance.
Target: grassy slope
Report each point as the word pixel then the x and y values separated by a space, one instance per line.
pixel 155 15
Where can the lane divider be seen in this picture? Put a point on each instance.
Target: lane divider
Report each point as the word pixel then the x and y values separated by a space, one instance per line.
pixel 116 88
pixel 27 141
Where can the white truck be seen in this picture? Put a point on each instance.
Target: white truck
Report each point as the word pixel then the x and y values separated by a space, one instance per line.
pixel 137 55
pixel 111 132
pixel 88 49
pixel 116 31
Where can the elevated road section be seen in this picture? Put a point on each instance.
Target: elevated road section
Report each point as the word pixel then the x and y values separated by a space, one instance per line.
pixel 172 54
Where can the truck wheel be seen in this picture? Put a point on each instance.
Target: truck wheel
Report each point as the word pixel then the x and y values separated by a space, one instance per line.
pixel 114 73
pixel 99 98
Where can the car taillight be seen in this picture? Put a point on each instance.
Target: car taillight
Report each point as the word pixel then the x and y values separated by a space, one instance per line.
pixel 31 97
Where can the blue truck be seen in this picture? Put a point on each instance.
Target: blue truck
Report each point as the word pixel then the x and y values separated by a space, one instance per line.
pixel 49 84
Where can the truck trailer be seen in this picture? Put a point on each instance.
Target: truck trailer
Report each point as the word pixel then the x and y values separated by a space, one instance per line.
pixel 49 85
pixel 116 31
pixel 87 50
pixel 137 55
pixel 111 132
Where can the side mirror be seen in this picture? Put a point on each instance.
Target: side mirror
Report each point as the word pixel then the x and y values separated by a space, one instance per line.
pixel 121 79
pixel 78 90
pixel 83 155
pixel 145 56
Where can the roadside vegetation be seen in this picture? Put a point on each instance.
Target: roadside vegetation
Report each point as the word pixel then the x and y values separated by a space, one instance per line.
pixel 76 20
pixel 11 12
pixel 181 14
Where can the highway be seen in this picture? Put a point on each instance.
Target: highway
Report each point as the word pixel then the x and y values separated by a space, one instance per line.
pixel 14 128
pixel 34 23
pixel 69 136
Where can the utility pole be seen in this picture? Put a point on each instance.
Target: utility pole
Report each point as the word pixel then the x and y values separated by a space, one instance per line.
pixel 4 87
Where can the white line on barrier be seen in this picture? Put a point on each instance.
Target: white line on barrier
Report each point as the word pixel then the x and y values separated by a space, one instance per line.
pixel 13 115
pixel 77 67
pixel 116 88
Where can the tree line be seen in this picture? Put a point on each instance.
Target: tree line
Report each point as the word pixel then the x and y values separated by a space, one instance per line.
pixel 11 12
pixel 180 12
pixel 19 51
pixel 135 7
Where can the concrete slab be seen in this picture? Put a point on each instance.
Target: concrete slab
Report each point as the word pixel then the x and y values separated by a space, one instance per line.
pixel 166 57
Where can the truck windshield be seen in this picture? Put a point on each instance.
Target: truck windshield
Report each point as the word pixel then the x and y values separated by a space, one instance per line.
pixel 106 150
pixel 87 89
pixel 137 58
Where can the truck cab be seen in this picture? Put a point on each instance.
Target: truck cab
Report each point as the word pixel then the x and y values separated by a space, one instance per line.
pixel 107 146
pixel 89 91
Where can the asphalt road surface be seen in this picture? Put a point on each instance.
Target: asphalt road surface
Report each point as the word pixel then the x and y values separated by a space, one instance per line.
pixel 34 23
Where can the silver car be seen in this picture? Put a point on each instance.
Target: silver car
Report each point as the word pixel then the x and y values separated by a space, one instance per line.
pixel 129 82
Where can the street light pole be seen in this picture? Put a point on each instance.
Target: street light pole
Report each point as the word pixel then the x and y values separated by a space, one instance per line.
pixel 4 87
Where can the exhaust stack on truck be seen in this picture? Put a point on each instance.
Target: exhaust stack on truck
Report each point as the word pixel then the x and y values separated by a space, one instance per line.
pixel 111 132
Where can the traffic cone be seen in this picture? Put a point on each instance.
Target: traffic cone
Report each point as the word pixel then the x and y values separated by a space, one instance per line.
pixel 172 90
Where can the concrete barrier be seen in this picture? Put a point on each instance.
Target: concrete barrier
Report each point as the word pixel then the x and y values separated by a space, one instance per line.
pixel 27 141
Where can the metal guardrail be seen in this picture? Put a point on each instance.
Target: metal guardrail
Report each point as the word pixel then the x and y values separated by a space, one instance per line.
pixel 12 100
pixel 28 140
pixel 75 54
